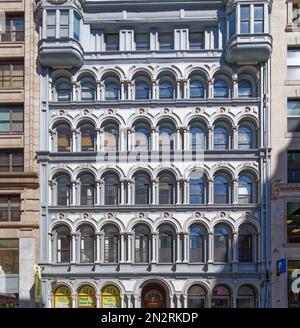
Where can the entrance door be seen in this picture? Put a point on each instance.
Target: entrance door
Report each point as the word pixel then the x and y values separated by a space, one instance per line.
pixel 153 296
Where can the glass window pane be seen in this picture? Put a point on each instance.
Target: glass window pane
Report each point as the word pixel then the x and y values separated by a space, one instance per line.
pixel 245 12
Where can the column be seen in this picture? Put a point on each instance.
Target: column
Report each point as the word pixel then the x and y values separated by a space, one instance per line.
pixel 185 89
pixel 122 90
pixel 74 301
pixel 74 89
pixel 185 301
pixel 74 143
pixel 51 198
pixel 122 193
pixel 153 140
pixel 98 90
pixel 129 138
pixel 122 248
pixel 178 244
pixel 98 248
pixel 185 139
pixel 136 301
pixel 73 260
pixel 185 247
pixel 235 185
pixel 258 248
pixel 51 141
pixel 98 301
pixel 171 301
pixel 178 95
pixel 154 255
pixel 185 192
pixel 129 86
pixel 209 89
pixel 235 92
pixel 102 91
pixel 153 192
pixel 235 136
pixel 123 140
pixel 235 247
pixel 122 296
pixel 178 301
pixel 129 244
pixel 73 201
pixel 178 192
pixel 154 96
pixel 128 297
pixel 98 192
pixel 49 248
pixel 178 140
pixel 210 136
pixel 210 191
pixel 129 192
pixel 98 140
pixel 210 247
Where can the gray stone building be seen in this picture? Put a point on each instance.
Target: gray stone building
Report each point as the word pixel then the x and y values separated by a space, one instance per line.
pixel 19 130
pixel 155 153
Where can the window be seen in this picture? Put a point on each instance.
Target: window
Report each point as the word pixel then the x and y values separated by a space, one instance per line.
pixel 166 189
pixel 51 24
pixel 296 11
pixel 63 245
pixel 166 240
pixel 221 297
pixel 246 190
pixel 166 137
pixel 87 241
pixel 142 189
pixel 245 19
pixel 293 166
pixel 87 189
pixel 196 40
pixel 259 19
pixel 9 256
pixel 221 244
pixel 221 137
pixel 293 64
pixel 197 240
pixel 112 91
pixel 64 137
pixel 142 137
pixel 12 75
pixel 76 27
pixel 112 42
pixel 64 24
pixel 293 117
pixel 142 90
pixel 293 223
pixel 196 297
pixel 11 161
pixel 197 137
pixel 166 41
pixel 111 245
pixel 221 190
pixel 14 29
pixel 246 297
pixel 166 90
pixel 142 41
pixel 220 89
pixel 63 182
pixel 196 89
pixel 245 89
pixel 111 136
pixel 293 283
pixel 88 137
pixel 245 137
pixel 196 190
pixel 88 90
pixel 11 119
pixel 112 187
pixel 63 90
pixel 245 245
pixel 142 238
pixel 10 208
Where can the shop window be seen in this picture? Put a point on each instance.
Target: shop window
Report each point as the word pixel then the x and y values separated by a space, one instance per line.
pixel 293 222
pixel 9 256
pixel 87 298
pixel 62 297
pixel 110 297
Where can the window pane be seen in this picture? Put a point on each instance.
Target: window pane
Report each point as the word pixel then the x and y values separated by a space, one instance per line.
pixel 258 12
pixel 293 167
pixel 166 41
pixel 293 223
pixel 112 42
pixel 196 40
pixel 245 12
pixel 9 256
pixel 142 41
pixel 258 27
pixel 245 27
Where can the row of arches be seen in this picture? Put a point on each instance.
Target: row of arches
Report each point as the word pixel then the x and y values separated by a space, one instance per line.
pixel 142 86
pixel 142 189
pixel 165 245
pixel 155 295
pixel 166 136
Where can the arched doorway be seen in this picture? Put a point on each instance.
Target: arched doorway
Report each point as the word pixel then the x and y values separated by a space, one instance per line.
pixel 154 296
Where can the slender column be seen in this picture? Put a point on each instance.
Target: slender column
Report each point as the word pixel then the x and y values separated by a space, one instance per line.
pixel 51 197
pixel 98 91
pixel 185 139
pixel 185 192
pixel 130 244
pixel 210 191
pixel 235 92
pixel 122 193
pixel 129 86
pixel 98 301
pixel 210 247
pixel 172 301
pixel 122 90
pixel 153 93
pixel 154 192
pixel 102 91
pixel 154 238
pixel 210 137
pixel 258 248
pixel 153 139
pixel 179 259
pixel 122 296
pixel 74 89
pixel 178 301
pixel 122 248
pixel 178 201
pixel 128 297
pixel 129 138
pixel 74 200
pixel 98 192
pixel 235 247
pixel 74 301
pixel 209 89
pixel 178 95
pixel 73 248
pixel 185 89
pixel 98 251
pixel 235 136
pixel 51 141
pixel 74 143
pixel 185 301
pixel 136 301
pixel 123 140
pixel 129 193
pixel 178 140
pixel 98 140
pixel 186 248
pixel 49 248
pixel 235 186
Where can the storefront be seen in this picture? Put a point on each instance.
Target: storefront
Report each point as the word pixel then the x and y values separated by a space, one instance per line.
pixel 111 297
pixel 87 297
pixel 294 284
pixel 9 301
pixel 62 297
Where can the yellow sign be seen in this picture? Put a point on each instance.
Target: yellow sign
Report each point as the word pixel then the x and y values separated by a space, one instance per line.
pixel 37 283
pixel 111 297
pixel 87 297
pixel 62 297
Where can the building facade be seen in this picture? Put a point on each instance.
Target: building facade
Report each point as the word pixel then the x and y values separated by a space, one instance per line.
pixel 155 153
pixel 19 115
pixel 285 152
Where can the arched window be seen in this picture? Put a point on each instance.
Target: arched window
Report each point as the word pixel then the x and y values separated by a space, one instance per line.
pixel 196 88
pixel 111 244
pixel 221 244
pixel 166 86
pixel 245 89
pixel 246 297
pixel 64 137
pixel 142 87
pixel 142 236
pixel 142 136
pixel 87 297
pixel 221 89
pixel 166 244
pixel 142 184
pixel 221 297
pixel 87 189
pixel 112 89
pixel 63 183
pixel 246 243
pixel 197 244
pixel 88 137
pixel 88 89
pixel 247 190
pixel 166 136
pixel 222 189
pixel 63 90
pixel 197 137
pixel 167 190
pixel 62 297
pixel 245 137
pixel 87 244
pixel 112 189
pixel 196 297
pixel 221 137
pixel 111 136
pixel 63 245
pixel 197 187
